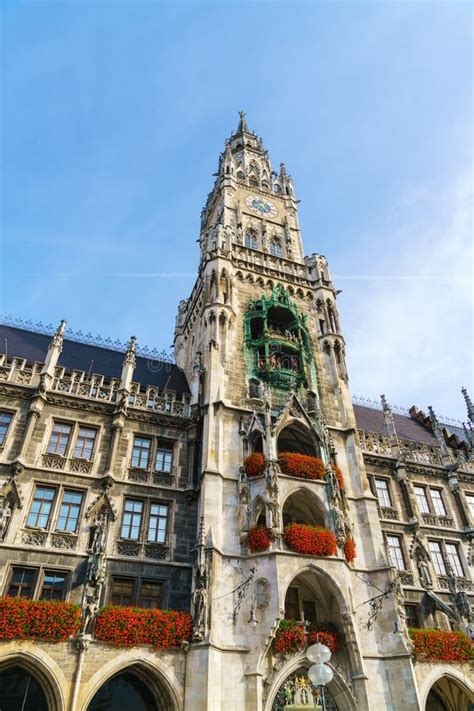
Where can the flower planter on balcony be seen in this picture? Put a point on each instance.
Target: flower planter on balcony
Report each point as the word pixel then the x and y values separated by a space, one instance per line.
pixel 254 464
pixel 131 626
pixel 301 465
pixel 310 540
pixel 350 550
pixel 38 619
pixel 291 637
pixel 325 634
pixel 430 645
pixel 258 539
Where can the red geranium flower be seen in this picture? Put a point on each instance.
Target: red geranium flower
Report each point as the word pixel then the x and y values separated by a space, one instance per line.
pixel 441 645
pixel 350 550
pixel 258 538
pixel 132 626
pixel 290 638
pixel 254 464
pixel 310 540
pixel 301 465
pixel 21 618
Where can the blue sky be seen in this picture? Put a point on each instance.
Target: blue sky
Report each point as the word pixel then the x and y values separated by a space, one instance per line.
pixel 114 114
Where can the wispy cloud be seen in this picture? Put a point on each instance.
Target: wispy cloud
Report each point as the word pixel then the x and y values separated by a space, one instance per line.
pixel 410 332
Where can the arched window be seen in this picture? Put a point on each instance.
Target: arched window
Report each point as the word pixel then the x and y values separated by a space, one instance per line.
pixel 124 692
pixel 240 175
pixel 276 249
pixel 251 239
pixel 253 181
pixel 20 690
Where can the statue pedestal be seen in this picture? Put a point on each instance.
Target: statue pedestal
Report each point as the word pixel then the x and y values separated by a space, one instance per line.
pixel 305 707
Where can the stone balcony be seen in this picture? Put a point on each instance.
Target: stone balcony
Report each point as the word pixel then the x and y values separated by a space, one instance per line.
pixel 433 520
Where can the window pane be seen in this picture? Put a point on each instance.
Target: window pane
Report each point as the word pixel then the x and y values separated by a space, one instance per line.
pixel 5 420
pixel 150 596
pixel 438 504
pixel 276 248
pixel 421 499
pixel 470 503
pixel 158 522
pixel 164 457
pixel 69 513
pixel 22 582
pixel 454 559
pixel 413 619
pixel 141 452
pixel 54 586
pixel 122 591
pixel 395 552
pixel 132 519
pixel 383 495
pixel 85 443
pixel 437 557
pixel 59 438
pixel 41 507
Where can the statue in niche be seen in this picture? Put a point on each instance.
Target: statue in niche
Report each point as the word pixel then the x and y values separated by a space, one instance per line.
pixel 5 515
pixel 422 558
pixel 244 500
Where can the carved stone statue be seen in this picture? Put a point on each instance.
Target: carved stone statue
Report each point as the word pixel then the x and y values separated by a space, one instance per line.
pixel 201 584
pixel 5 515
pixel 422 558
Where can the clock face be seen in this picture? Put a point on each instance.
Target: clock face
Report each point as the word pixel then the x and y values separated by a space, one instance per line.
pixel 263 207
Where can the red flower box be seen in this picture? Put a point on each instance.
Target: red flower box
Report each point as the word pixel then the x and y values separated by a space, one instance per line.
pixel 310 540
pixel 254 464
pixel 258 538
pixel 301 465
pixel 441 645
pixel 38 619
pixel 340 478
pixel 290 638
pixel 132 626
pixel 325 635
pixel 350 550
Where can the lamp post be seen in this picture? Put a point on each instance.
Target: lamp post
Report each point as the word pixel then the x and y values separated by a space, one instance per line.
pixel 320 674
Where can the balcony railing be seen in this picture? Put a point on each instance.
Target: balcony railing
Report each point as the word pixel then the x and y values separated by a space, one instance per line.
pixel 72 464
pixel 389 512
pixel 49 539
pixel 138 549
pixel 433 520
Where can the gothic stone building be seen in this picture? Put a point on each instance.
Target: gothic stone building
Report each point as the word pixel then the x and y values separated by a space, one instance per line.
pixel 123 483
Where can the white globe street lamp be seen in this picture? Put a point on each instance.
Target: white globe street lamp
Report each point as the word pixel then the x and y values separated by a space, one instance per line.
pixel 320 674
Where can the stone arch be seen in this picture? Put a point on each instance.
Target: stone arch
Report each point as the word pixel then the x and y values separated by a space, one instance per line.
pixel 161 681
pixel 329 581
pixel 306 505
pixel 295 436
pixel 44 669
pixel 258 510
pixel 339 688
pixel 439 681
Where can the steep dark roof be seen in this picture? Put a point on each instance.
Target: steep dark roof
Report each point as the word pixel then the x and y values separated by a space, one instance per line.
pixel 371 420
pixel 21 343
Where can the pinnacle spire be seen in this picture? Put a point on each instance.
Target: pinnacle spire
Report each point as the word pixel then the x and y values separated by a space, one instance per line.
pixel 469 405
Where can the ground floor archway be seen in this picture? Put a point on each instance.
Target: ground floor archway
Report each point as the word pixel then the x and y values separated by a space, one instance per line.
pixel 20 689
pixel 448 694
pixel 298 690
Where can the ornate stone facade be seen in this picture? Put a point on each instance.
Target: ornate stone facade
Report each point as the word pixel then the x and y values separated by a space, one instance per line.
pixel 126 481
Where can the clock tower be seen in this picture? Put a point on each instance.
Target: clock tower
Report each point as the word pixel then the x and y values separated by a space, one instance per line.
pixel 260 342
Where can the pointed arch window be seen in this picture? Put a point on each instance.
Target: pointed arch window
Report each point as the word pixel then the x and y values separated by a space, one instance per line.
pixel 276 250
pixel 251 239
